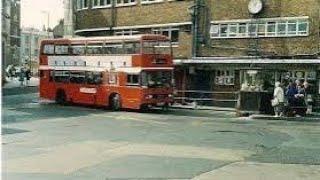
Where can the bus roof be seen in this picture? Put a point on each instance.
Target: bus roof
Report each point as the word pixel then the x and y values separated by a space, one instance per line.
pixel 110 38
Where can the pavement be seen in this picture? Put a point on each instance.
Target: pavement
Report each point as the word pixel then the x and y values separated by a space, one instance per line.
pixel 15 83
pixel 13 87
pixel 48 141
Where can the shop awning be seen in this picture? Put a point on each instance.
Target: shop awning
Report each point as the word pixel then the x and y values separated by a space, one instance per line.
pixel 245 60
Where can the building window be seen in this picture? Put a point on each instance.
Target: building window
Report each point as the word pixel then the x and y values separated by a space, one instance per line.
pixel 224 77
pixel 129 32
pixel 126 2
pixel 271 28
pixel 303 27
pixel 101 3
pixel 268 27
pixel 243 29
pixel 150 1
pixel 170 32
pixel 82 4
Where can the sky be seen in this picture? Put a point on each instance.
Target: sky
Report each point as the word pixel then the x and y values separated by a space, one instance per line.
pixel 32 13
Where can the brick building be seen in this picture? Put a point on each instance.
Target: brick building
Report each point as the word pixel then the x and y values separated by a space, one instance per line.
pixel 220 47
pixel 10 32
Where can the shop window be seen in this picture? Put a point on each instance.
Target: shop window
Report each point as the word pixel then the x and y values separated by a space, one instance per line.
pixel 132 80
pixel 224 77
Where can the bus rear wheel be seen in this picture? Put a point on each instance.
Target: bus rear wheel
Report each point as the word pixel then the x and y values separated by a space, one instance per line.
pixel 115 102
pixel 61 97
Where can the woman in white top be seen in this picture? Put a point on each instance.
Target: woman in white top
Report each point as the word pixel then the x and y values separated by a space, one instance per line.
pixel 278 100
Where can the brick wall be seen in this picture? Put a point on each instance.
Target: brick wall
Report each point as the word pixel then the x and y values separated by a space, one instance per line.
pixel 177 11
pixel 238 9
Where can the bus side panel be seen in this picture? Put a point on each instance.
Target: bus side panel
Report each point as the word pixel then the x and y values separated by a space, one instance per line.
pixel 131 97
pixel 102 96
pixel 46 88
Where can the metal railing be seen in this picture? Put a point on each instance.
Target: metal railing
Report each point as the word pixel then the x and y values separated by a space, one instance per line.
pixel 200 96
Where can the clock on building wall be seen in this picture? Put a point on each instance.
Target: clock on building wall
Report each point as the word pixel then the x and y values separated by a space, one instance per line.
pixel 255 6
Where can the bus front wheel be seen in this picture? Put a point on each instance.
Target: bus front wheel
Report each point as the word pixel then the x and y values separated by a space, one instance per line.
pixel 61 97
pixel 115 102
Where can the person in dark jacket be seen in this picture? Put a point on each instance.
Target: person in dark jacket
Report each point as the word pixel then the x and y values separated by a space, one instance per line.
pixel 28 76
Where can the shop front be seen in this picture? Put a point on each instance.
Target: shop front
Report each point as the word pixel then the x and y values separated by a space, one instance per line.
pixel 249 83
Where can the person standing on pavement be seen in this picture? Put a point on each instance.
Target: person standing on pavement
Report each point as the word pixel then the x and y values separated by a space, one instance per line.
pixel 308 97
pixel 278 100
pixel 291 93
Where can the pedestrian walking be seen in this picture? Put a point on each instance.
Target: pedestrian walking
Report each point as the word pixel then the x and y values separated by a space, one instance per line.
pixel 21 76
pixel 27 76
pixel 278 100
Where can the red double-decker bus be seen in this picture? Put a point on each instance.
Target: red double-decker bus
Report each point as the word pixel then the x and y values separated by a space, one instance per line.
pixel 134 72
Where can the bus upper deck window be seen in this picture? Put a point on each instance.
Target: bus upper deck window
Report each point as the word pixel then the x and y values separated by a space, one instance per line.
pixel 48 49
pixel 78 49
pixel 95 49
pixel 62 49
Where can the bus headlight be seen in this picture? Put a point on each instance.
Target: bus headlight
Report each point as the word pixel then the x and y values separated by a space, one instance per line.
pixel 150 96
pixel 170 95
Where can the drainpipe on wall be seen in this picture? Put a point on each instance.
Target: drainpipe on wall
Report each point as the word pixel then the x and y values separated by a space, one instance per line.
pixel 113 17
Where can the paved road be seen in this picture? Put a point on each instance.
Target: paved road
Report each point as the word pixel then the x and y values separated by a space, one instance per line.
pixel 47 141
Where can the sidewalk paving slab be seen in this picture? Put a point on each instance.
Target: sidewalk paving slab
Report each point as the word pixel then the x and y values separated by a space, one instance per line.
pixel 266 171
